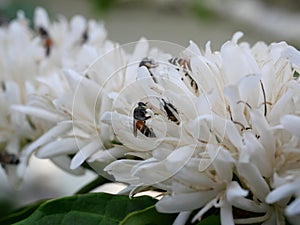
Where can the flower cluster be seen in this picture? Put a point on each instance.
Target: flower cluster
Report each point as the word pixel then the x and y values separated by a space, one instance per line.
pixel 31 80
pixel 220 129
pixel 206 129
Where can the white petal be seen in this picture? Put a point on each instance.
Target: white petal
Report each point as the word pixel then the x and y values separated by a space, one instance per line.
pixel 50 135
pixel 13 176
pixel 192 50
pixel 236 62
pixel 237 197
pixel 222 162
pixel 145 80
pixel 12 92
pixel 179 158
pixel 182 218
pixel 109 155
pixel 121 170
pixel 291 123
pixel 250 89
pixel 64 163
pixel 267 138
pixel 190 175
pixel 283 106
pixel 232 94
pixel 140 51
pixel 13 144
pixel 78 25
pixel 24 159
pixel 293 55
pixel 258 154
pixel 237 36
pixel 75 79
pixel 39 113
pixel 208 51
pixel 85 102
pixel 199 127
pixel 185 201
pixel 254 179
pixel 41 18
pixel 234 135
pixel 84 153
pixel 59 147
pixel 204 209
pixel 283 191
pixel 203 75
pixel 145 172
pixel 226 213
pixel 293 208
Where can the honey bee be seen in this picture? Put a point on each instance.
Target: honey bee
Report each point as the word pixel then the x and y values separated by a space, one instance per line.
pixel 182 63
pixel 139 120
pixel 46 39
pixel 85 36
pixel 149 64
pixel 140 112
pixel 8 159
pixel 171 111
pixel 187 79
pixel 144 129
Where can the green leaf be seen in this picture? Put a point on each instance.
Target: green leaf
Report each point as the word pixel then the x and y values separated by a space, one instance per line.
pixel 20 214
pixel 148 216
pixel 210 220
pixel 87 209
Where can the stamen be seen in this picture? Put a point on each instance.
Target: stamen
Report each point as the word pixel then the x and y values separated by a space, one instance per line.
pixel 202 141
pixel 264 95
pixel 235 122
pixel 246 103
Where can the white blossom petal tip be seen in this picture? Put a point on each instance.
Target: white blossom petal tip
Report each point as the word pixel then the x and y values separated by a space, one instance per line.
pixel 237 36
pixel 291 123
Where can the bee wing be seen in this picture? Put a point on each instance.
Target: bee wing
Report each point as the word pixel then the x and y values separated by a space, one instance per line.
pixel 174 112
pixel 156 110
pixel 170 111
pixel 190 83
pixel 151 133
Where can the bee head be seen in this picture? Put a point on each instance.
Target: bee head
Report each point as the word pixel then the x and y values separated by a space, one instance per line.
pixel 142 104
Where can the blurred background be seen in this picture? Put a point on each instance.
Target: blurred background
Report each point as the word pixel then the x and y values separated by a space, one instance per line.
pixel 176 21
pixel 179 20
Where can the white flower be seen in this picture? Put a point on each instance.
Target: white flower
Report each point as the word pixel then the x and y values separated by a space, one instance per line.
pixel 35 95
pixel 71 44
pixel 55 98
pixel 72 103
pixel 19 56
pixel 236 120
pixel 87 96
pixel 18 67
pixel 208 129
